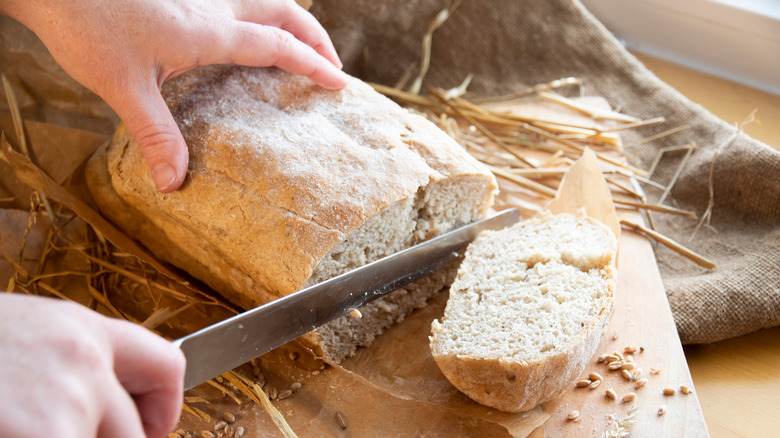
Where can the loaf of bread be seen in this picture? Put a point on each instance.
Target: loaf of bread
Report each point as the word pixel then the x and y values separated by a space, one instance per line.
pixel 527 310
pixel 290 184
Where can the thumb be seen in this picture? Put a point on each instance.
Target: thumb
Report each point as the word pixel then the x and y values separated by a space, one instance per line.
pixel 150 122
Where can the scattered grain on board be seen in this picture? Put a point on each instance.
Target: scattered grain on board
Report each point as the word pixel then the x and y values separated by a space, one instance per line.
pixel 628 366
pixel 230 418
pixel 602 358
pixel 661 410
pixel 669 391
pixel 595 384
pixel 618 354
pixel 573 415
pixel 628 397
pixel 207 434
pixel 629 358
pixel 610 358
pixel 629 349
pixel 610 394
pixel 583 383
pixel 614 336
pixel 640 383
pixel 685 389
pixel 239 432
pixel 284 394
pixel 655 371
pixel 594 376
pixel 614 366
pixel 641 349
pixel 221 425
pixel 626 374
pixel 295 386
pixel 637 374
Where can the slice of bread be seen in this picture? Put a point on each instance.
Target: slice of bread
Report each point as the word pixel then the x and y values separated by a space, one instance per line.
pixel 527 310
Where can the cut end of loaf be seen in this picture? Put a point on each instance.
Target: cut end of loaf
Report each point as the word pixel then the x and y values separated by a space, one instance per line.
pixel 526 310
pixel 290 184
pixel 436 209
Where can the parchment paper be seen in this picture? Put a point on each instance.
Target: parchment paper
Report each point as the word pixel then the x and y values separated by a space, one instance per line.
pixel 391 388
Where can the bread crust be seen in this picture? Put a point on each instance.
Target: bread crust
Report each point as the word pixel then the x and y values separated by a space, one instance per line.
pixel 281 172
pixel 516 386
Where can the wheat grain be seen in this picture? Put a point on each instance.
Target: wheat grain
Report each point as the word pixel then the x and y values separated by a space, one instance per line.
pixel 583 383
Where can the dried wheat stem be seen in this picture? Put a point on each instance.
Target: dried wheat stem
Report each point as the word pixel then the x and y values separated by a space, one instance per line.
pixel 402 95
pixel 657 136
pixel 404 77
pixel 440 18
pixel 16 117
pixel 532 90
pixel 655 207
pixel 276 416
pixel 224 390
pixel 581 148
pixel 669 243
pixel 625 188
pixel 256 393
pixel 638 124
pixel 596 113
pixel 539 172
pixel 196 412
pixel 480 127
pixel 524 182
pixel 690 148
pixel 711 181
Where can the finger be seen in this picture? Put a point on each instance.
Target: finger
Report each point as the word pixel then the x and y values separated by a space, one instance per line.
pixel 263 46
pixel 120 417
pixel 152 370
pixel 290 16
pixel 146 115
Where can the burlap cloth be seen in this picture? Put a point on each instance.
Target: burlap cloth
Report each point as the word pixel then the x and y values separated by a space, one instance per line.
pixel 508 45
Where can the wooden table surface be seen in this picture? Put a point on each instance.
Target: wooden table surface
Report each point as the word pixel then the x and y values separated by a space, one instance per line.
pixel 738 380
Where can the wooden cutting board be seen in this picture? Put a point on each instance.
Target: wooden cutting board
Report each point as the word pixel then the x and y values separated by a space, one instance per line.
pixel 642 318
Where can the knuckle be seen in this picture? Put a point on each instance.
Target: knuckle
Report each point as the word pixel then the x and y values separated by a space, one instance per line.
pixel 278 43
pixel 155 139
pixel 173 364
pixel 85 351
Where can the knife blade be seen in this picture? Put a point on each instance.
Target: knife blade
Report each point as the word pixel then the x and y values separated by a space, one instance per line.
pixel 225 345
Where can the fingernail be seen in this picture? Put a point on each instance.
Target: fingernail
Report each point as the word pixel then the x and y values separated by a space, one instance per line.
pixel 340 64
pixel 163 176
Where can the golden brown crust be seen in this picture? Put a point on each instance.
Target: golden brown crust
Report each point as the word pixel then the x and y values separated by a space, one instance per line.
pixel 281 172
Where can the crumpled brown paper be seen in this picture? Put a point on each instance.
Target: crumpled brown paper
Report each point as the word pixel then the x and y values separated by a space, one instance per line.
pixel 392 387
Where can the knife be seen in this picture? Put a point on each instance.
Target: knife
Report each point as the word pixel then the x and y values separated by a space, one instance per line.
pixel 236 340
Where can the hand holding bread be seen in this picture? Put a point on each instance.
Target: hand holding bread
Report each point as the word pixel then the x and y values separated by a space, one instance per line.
pixel 124 50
